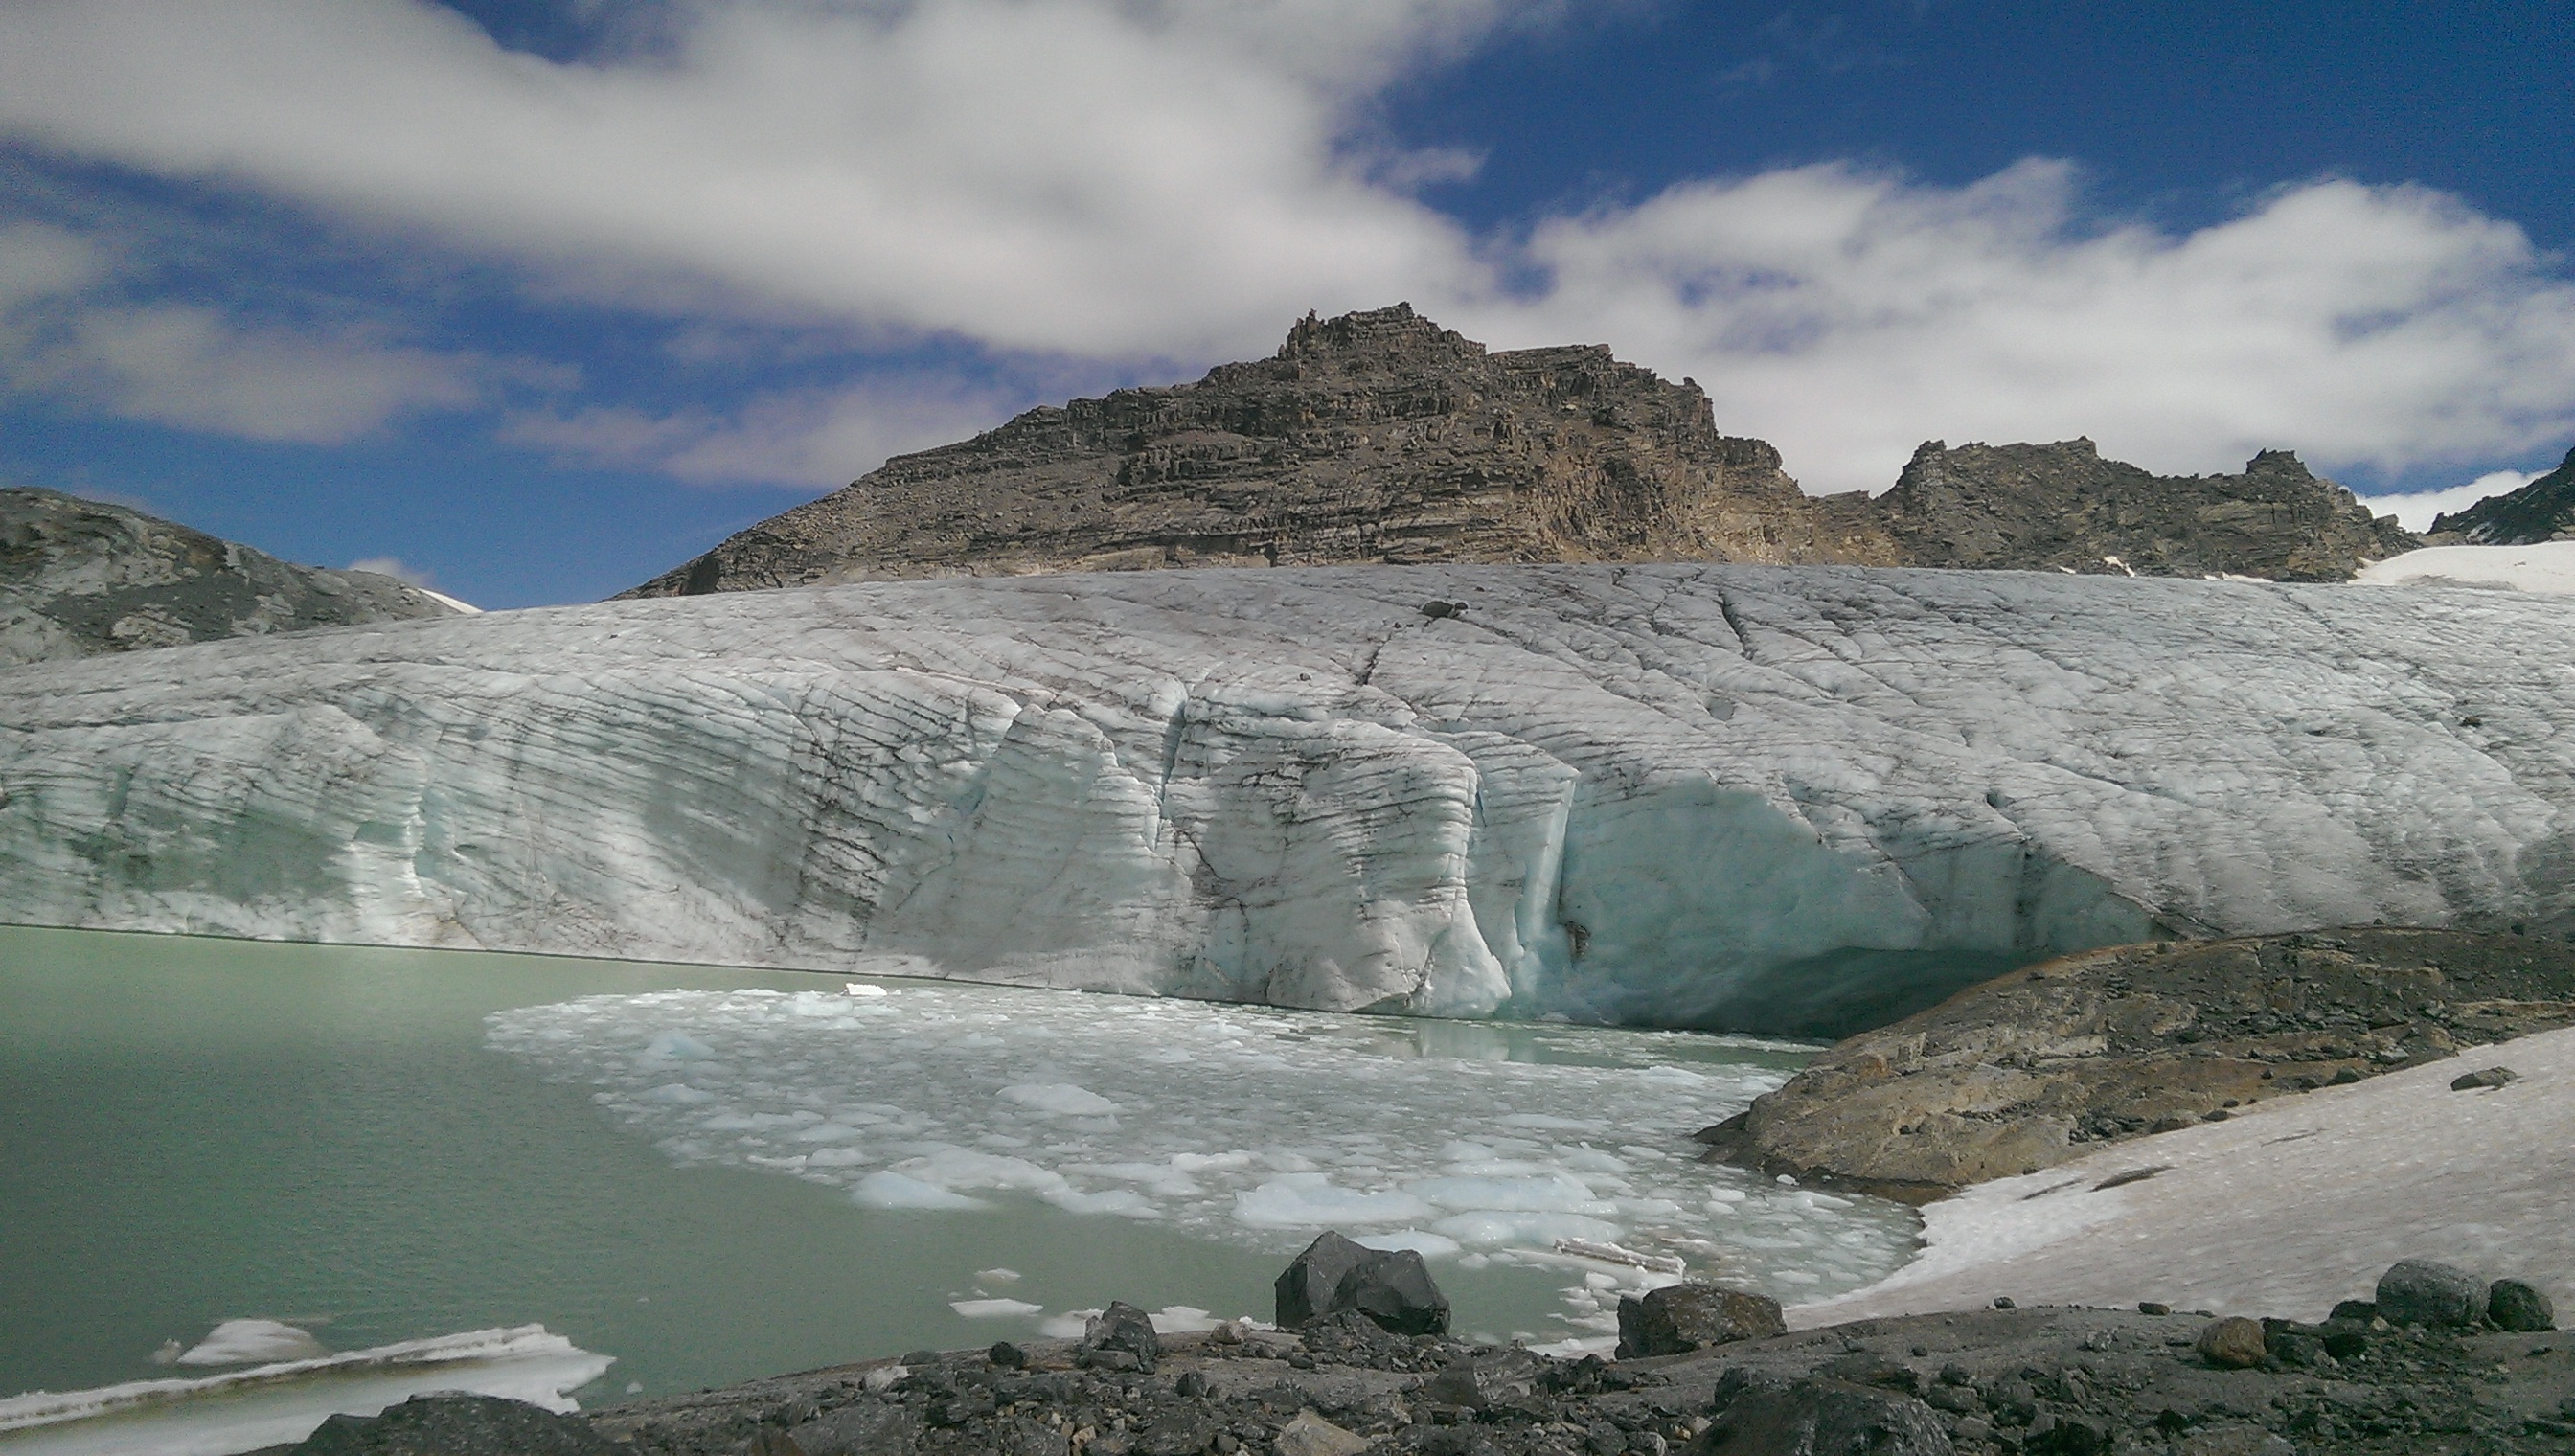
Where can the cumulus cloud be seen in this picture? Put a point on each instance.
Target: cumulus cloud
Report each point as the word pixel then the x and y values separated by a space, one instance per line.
pixel 2415 509
pixel 65 332
pixel 812 438
pixel 1847 317
pixel 394 567
pixel 1162 184
pixel 1080 174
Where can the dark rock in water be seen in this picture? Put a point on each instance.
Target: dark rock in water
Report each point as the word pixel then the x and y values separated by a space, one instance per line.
pixel 2515 1305
pixel 1306 1287
pixel 2046 1063
pixel 2543 509
pixel 1390 1286
pixel 1773 1417
pixel 1120 1330
pixel 2234 1344
pixel 2494 1076
pixel 456 1425
pixel 83 577
pixel 1393 1288
pixel 2425 1291
pixel 1680 1318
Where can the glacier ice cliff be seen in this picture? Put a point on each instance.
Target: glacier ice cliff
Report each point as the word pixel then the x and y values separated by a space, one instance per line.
pixel 1793 800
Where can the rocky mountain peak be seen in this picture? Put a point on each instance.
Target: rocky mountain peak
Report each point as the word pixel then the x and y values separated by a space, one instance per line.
pixel 80 578
pixel 1380 437
pixel 1372 436
pixel 2063 507
pixel 2543 509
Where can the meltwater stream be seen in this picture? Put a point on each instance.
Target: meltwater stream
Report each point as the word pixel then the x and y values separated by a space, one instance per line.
pixel 709 1174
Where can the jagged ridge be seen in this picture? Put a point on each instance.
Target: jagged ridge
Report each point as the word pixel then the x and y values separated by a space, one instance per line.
pixel 1380 437
pixel 2544 509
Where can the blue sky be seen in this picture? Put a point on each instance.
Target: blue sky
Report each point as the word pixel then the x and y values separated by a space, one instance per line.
pixel 539 299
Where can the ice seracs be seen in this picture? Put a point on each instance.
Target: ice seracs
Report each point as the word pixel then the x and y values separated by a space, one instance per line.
pixel 1791 800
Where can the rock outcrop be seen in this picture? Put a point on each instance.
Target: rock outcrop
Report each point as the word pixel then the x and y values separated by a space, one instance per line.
pixel 2544 509
pixel 1374 437
pixel 2044 1064
pixel 1382 438
pixel 81 577
pixel 2061 506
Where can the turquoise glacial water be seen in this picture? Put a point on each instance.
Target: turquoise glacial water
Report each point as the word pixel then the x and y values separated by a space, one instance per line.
pixel 199 1129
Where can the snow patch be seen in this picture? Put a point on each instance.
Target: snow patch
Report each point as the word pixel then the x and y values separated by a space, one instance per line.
pixel 2281 1210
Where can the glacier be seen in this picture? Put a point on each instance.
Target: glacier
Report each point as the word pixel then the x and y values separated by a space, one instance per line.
pixel 1781 800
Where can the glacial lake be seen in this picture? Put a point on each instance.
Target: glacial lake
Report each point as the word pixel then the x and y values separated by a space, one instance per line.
pixel 711 1175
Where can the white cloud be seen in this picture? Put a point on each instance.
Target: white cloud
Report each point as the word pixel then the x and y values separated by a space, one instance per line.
pixel 1134 181
pixel 1079 174
pixel 394 567
pixel 2414 511
pixel 64 332
pixel 1847 317
pixel 194 369
pixel 813 437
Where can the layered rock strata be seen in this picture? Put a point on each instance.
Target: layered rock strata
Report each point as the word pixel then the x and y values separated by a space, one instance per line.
pixel 81 577
pixel 2543 509
pixel 2046 1064
pixel 1374 437
pixel 1795 800
pixel 1381 436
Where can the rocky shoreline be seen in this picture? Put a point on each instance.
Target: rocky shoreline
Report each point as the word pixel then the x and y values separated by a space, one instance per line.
pixel 2071 1381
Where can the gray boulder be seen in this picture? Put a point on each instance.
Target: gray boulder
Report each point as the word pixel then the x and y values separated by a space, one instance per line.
pixel 1499 1379
pixel 2520 1307
pixel 2425 1291
pixel 1680 1318
pixel 1772 1417
pixel 1120 1337
pixel 456 1425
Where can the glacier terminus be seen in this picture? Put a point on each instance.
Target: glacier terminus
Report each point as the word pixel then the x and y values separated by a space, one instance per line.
pixel 1783 800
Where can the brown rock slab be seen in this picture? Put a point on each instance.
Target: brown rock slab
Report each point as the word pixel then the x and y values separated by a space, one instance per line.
pixel 2048 1063
pixel 2234 1344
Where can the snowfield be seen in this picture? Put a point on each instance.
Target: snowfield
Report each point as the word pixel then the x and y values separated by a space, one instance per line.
pixel 2547 566
pixel 2286 1209
pixel 1778 798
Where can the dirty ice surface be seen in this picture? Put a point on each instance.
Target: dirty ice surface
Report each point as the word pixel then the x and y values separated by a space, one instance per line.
pixel 282 1400
pixel 1241 1124
pixel 2286 1208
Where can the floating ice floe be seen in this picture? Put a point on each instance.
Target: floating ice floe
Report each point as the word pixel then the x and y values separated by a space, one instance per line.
pixel 273 1403
pixel 248 1341
pixel 1238 1124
